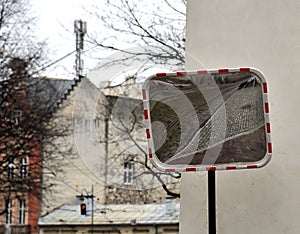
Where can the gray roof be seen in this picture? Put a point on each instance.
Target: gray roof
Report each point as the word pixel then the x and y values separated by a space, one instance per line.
pixel 50 92
pixel 114 215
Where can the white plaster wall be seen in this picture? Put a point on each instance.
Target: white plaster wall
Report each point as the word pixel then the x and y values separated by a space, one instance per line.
pixel 265 35
pixel 78 172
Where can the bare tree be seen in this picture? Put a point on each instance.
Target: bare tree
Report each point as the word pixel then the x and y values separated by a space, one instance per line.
pixel 17 37
pixel 156 27
pixel 28 104
pixel 157 30
pixel 129 174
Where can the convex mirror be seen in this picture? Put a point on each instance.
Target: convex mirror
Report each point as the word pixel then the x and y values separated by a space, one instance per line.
pixel 207 120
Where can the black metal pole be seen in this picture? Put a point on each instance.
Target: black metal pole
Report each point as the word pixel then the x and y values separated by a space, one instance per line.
pixel 212 227
pixel 92 221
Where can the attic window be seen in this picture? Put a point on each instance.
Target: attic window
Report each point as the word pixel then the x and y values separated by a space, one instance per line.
pixel 17 116
pixel 23 168
pixel 10 168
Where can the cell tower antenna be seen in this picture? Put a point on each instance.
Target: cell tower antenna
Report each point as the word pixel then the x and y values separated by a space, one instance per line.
pixel 80 31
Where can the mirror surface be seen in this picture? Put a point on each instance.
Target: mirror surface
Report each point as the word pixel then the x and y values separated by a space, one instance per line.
pixel 207 119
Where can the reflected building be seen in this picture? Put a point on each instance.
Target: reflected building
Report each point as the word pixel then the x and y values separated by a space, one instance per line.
pixel 208 119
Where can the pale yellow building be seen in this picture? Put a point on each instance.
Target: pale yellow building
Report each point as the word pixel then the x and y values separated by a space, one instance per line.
pixel 100 154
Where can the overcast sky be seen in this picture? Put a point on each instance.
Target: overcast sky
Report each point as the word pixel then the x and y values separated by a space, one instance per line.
pixel 55 20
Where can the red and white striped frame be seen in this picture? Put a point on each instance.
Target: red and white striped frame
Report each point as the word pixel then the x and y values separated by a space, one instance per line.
pixel 174 168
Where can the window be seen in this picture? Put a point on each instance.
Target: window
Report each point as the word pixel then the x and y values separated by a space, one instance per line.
pixel 17 116
pixel 23 168
pixel 128 173
pixel 10 168
pixel 8 212
pixel 22 211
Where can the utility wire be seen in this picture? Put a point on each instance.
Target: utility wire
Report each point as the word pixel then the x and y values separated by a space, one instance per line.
pixel 54 62
pixel 60 59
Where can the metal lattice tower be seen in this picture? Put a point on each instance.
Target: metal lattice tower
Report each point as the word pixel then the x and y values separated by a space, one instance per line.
pixel 80 31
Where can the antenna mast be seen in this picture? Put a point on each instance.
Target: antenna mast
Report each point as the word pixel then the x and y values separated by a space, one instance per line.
pixel 80 31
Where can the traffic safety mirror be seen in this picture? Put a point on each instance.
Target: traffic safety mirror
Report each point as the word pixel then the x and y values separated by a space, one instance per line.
pixel 207 120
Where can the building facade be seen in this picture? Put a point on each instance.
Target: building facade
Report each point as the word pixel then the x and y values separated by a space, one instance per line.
pixel 19 155
pixel 105 155
pixel 265 35
pixel 25 112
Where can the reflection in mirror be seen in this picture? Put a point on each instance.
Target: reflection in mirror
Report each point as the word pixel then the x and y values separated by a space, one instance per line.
pixel 206 119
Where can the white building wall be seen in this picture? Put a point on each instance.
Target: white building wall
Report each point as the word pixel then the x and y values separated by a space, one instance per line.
pixel 83 168
pixel 265 35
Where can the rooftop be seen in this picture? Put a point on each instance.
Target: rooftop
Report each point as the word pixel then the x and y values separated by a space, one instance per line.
pixel 114 215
